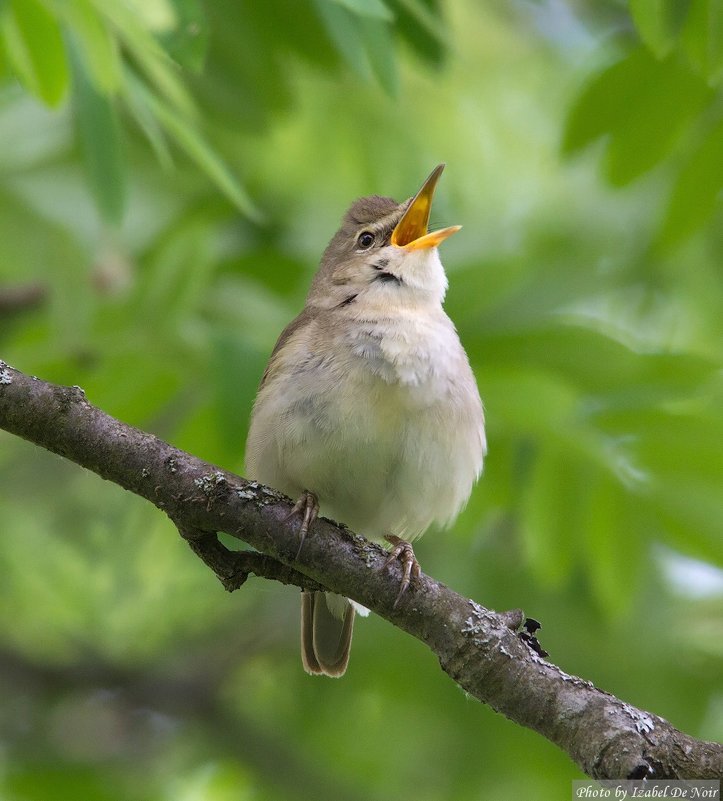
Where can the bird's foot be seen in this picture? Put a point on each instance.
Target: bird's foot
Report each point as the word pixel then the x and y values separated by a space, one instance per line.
pixel 308 508
pixel 404 552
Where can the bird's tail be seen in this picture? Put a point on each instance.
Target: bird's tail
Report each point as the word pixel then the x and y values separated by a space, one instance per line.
pixel 327 623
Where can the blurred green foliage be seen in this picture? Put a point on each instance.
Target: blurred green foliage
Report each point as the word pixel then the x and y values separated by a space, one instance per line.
pixel 669 87
pixel 169 174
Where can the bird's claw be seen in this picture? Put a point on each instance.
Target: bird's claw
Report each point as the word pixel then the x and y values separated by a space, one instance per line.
pixel 308 507
pixel 403 552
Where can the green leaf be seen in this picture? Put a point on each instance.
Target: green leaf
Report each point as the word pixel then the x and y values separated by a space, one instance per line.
pixel 688 522
pixel 681 455
pixel 529 402
pixel 420 24
pixel 40 780
pixel 703 39
pixel 601 104
pixel 367 8
pixel 379 46
pixel 551 515
pixel 669 96
pixel 187 41
pixel 612 542
pixel 158 377
pixel 643 105
pixel 178 272
pixel 364 41
pixel 192 142
pixel 234 371
pixel 659 22
pixel 101 140
pixel 96 45
pixel 596 364
pixel 697 190
pixel 198 150
pixel 134 33
pixel 691 512
pixel 682 446
pixel 34 49
pixel 136 102
pixel 4 64
pixel 343 30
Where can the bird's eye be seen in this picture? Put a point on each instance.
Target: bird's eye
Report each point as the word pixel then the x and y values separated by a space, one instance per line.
pixel 365 240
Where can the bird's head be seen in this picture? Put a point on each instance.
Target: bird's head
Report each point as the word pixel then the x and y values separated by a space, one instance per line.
pixel 383 254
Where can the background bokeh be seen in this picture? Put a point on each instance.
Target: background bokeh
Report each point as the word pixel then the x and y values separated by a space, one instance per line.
pixel 170 171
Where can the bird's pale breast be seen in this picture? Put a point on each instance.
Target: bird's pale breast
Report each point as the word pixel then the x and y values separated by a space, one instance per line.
pixel 385 424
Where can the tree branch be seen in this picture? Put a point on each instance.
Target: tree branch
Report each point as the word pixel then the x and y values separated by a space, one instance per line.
pixel 14 299
pixel 480 649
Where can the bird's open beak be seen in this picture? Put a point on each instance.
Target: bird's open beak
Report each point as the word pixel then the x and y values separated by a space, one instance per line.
pixel 411 231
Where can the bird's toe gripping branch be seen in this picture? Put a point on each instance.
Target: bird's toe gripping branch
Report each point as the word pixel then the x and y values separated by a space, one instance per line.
pixel 403 551
pixel 307 507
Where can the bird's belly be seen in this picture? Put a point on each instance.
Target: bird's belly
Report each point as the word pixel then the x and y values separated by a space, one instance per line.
pixel 380 456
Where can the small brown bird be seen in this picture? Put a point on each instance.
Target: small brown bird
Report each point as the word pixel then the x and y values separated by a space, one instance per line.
pixel 368 411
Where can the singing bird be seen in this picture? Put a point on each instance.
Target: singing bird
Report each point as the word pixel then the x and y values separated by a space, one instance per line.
pixel 368 411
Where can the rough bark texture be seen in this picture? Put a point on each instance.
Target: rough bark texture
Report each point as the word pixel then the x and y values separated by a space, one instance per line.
pixel 483 651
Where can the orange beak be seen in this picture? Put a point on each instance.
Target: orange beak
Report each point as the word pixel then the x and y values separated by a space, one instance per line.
pixel 411 231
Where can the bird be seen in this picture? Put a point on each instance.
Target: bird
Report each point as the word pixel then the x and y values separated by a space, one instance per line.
pixel 368 411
